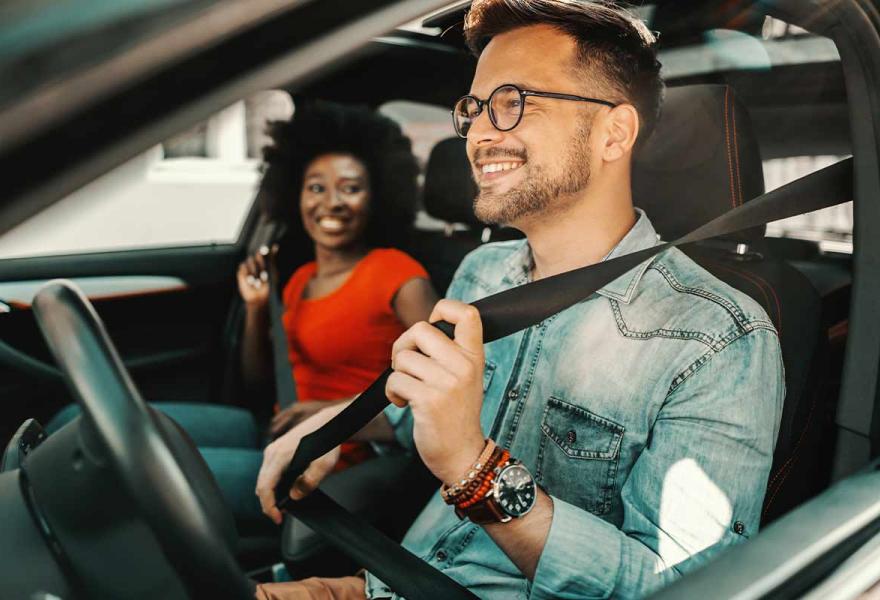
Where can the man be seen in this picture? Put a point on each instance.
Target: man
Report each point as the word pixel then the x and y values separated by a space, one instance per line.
pixel 646 414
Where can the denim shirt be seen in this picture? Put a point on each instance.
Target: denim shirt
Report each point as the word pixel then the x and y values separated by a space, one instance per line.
pixel 648 412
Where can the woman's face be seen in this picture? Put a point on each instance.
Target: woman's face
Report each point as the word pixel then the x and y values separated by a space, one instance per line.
pixel 335 201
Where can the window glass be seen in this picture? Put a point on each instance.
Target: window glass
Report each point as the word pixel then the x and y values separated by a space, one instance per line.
pixel 194 189
pixel 424 125
pixel 830 227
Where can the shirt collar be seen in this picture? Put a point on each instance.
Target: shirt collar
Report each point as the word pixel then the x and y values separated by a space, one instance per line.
pixel 518 266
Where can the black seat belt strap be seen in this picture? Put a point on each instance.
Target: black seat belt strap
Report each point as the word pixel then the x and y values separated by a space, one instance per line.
pixel 285 386
pixel 503 314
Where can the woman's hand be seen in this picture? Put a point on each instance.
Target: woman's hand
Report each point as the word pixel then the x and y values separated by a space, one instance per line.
pixel 253 277
pixel 299 412
pixel 278 455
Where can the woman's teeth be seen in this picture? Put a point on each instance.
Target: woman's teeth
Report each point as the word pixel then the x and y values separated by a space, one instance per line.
pixel 502 166
pixel 331 224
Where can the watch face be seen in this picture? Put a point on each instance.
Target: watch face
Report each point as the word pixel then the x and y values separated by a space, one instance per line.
pixel 515 490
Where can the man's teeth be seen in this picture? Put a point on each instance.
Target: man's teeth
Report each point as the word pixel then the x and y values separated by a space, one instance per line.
pixel 503 166
pixel 330 224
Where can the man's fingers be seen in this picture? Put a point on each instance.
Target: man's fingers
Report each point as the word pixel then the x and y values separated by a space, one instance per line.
pixel 266 494
pixel 402 389
pixel 275 460
pixel 312 477
pixel 424 338
pixel 421 367
pixel 466 318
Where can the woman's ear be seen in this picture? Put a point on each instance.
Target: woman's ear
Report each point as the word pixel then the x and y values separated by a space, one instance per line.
pixel 622 130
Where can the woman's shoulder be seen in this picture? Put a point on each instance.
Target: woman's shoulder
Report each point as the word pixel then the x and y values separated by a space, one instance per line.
pixel 398 260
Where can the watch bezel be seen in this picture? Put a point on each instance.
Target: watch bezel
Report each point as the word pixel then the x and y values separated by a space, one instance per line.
pixel 496 491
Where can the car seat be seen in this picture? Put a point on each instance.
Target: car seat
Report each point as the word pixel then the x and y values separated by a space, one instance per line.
pixel 703 160
pixel 448 196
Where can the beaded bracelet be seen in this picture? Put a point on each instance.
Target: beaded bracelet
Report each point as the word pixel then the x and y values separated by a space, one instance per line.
pixel 485 486
pixel 480 480
pixel 449 493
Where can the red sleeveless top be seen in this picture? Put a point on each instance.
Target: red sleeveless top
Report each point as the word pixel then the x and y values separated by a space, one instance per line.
pixel 339 343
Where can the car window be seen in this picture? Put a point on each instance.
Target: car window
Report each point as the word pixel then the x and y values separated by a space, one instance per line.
pixel 194 189
pixel 424 125
pixel 831 228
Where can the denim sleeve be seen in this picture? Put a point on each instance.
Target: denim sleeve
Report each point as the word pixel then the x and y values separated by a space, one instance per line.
pixel 401 418
pixel 697 487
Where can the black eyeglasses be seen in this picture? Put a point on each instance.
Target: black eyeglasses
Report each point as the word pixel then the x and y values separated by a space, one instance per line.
pixel 506 105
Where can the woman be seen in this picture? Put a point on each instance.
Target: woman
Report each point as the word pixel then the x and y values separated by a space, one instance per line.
pixel 343 180
pixel 355 176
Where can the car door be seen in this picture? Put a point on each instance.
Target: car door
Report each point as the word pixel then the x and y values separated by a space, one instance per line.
pixel 154 244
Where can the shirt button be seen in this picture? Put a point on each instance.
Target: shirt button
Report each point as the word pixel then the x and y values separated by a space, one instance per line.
pixel 513 394
pixel 571 436
pixel 739 527
pixel 441 555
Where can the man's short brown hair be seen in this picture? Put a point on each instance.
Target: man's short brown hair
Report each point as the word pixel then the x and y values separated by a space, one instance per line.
pixel 611 42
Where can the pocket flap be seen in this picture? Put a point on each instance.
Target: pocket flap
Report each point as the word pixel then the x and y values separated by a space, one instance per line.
pixel 488 372
pixel 580 433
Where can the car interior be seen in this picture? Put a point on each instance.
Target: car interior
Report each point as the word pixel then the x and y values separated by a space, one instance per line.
pixel 744 88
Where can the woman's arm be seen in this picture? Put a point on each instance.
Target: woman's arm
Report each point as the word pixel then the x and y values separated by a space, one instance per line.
pixel 414 301
pixel 256 350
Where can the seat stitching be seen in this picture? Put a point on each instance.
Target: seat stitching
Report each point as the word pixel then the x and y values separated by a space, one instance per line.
pixel 786 468
pixel 736 154
pixel 757 280
pixel 727 145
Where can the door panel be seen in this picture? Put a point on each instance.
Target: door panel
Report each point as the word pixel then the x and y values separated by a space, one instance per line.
pixel 170 313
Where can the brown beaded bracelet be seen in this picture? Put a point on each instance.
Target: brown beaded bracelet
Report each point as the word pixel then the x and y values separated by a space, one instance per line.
pixel 451 492
pixel 480 480
pixel 485 485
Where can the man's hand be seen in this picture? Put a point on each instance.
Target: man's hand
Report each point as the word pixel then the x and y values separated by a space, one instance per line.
pixel 296 414
pixel 278 455
pixel 442 381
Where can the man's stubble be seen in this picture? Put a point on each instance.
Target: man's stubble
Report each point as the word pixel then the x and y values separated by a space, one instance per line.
pixel 541 193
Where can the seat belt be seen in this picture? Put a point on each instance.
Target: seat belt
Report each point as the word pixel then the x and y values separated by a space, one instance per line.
pixel 285 386
pixel 502 314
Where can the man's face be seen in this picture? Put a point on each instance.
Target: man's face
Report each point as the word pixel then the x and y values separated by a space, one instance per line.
pixel 538 166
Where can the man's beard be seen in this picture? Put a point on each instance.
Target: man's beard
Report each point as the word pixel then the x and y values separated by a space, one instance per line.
pixel 539 192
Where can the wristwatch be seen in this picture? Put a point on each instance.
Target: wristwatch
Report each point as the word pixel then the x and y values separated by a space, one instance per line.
pixel 512 496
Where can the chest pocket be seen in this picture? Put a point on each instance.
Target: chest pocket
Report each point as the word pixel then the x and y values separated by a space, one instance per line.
pixel 578 456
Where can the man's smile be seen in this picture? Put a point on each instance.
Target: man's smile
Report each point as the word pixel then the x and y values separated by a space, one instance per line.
pixel 493 170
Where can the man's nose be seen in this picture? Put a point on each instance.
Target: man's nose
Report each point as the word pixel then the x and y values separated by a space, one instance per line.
pixel 482 132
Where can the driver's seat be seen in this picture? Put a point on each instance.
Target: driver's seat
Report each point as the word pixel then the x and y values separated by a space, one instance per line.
pixel 702 161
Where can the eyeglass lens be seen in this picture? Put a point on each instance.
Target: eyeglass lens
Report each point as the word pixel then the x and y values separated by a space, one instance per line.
pixel 505 110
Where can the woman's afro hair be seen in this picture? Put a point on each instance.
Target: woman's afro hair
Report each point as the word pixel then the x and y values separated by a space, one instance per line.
pixel 318 128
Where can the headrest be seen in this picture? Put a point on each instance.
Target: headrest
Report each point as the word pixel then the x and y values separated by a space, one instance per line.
pixel 449 186
pixel 701 161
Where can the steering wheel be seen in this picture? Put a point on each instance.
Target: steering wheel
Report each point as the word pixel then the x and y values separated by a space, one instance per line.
pixel 160 473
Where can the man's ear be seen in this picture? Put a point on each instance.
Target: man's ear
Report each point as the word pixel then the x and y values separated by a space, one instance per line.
pixel 622 129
